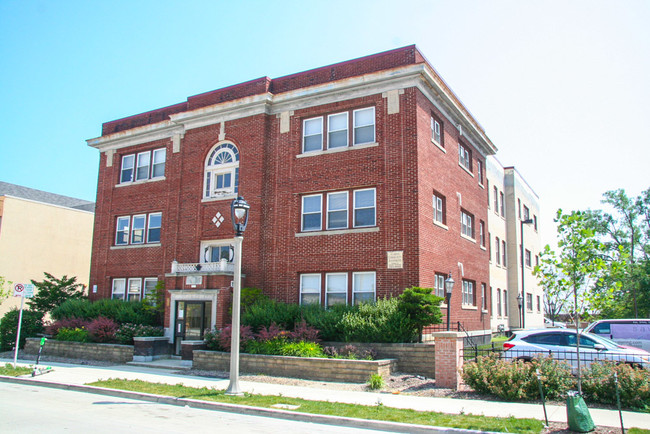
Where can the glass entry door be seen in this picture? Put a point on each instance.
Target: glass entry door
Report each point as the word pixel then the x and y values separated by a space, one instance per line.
pixel 192 319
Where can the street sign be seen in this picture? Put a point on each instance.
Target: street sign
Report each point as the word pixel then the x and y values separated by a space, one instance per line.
pixel 19 290
pixel 29 290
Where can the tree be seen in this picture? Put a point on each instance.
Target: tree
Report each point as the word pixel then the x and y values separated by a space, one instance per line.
pixel 421 307
pixel 626 228
pixel 580 269
pixel 51 292
pixel 5 289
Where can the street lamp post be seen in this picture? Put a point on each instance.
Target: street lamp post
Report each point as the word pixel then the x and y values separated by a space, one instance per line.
pixel 523 276
pixel 449 286
pixel 520 301
pixel 551 306
pixel 239 213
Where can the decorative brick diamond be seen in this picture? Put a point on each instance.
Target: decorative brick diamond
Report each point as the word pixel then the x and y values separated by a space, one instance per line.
pixel 217 219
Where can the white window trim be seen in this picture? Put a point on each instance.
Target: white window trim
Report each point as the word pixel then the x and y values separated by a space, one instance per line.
pixel 347 129
pixel 466 293
pixel 138 165
pixel 437 199
pixel 434 124
pixel 148 229
pixel 354 207
pixel 304 129
pixel 374 285
pixel 204 256
pixel 144 285
pixel 128 288
pixel 464 157
pixel 124 157
pixel 302 213
pixel 133 229
pixel 153 163
pixel 214 170
pixel 327 293
pixel 354 126
pixel 124 288
pixel 464 225
pixel 320 290
pixel 347 211
pixel 127 230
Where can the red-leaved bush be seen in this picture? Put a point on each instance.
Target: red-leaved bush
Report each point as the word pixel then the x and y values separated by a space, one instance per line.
pixel 304 332
pixel 68 323
pixel 266 334
pixel 102 330
pixel 245 335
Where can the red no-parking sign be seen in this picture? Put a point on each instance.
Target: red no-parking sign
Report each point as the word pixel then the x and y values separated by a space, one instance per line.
pixel 19 290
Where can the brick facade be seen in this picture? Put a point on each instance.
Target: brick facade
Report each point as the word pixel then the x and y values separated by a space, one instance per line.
pixel 264 120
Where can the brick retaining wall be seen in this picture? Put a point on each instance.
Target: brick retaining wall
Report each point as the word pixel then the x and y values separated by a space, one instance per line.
pixel 310 368
pixel 411 358
pixel 81 350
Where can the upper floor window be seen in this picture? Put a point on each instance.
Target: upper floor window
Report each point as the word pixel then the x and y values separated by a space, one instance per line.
pixel 464 157
pixel 439 285
pixel 527 256
pixel 498 302
pixel 496 200
pixel 483 296
pixel 438 208
pixel 479 171
pixel 143 166
pixel 535 221
pixel 529 301
pixel 468 293
pixel 502 204
pixel 218 251
pixel 503 252
pixel 497 245
pixel 482 233
pixel 505 302
pixel 138 229
pixel 222 171
pixel 466 224
pixel 132 292
pixel 436 134
pixel 338 129
pixel 526 213
pixel 337 206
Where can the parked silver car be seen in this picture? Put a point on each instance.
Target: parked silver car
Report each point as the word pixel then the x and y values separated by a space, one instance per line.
pixel 561 344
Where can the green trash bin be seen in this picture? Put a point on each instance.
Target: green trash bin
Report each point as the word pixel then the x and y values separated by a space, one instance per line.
pixel 577 413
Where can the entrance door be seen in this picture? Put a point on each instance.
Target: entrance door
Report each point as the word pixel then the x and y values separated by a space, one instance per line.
pixel 192 319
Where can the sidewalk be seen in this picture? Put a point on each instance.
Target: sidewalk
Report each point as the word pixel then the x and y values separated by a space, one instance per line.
pixel 166 371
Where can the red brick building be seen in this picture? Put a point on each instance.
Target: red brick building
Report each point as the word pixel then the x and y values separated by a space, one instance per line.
pixel 364 178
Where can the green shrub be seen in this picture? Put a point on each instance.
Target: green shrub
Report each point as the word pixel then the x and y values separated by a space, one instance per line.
pixel 378 322
pixel 120 311
pixel 72 335
pixel 281 346
pixel 517 380
pixel 421 307
pixel 127 332
pixel 598 384
pixel 102 330
pixel 73 308
pixel 32 325
pixel 212 339
pixel 376 382
pixel 327 321
pixel 265 312
pixel 349 351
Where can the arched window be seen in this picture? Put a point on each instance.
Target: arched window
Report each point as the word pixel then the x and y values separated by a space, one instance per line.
pixel 222 171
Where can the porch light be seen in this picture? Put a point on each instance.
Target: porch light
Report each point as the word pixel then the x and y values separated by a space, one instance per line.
pixel 449 287
pixel 239 213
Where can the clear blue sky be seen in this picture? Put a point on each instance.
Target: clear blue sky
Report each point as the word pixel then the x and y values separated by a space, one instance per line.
pixel 562 88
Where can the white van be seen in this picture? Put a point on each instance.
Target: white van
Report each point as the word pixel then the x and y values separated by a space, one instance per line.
pixel 632 332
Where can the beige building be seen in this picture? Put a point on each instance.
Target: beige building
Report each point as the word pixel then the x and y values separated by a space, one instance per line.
pixel 513 206
pixel 42 232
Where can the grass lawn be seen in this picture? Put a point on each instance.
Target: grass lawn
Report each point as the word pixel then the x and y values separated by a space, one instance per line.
pixel 378 412
pixel 10 371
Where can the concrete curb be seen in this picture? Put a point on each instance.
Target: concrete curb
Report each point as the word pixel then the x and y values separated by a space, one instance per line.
pixel 244 409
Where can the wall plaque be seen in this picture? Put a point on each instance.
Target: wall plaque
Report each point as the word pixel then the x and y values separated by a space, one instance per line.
pixel 395 260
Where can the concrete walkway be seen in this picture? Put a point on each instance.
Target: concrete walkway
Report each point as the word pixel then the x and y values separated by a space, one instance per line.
pixel 167 371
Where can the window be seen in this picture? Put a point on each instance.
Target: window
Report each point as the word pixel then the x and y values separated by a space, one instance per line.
pixel 364 126
pixel 503 253
pixel 498 302
pixel 363 287
pixel 337 217
pixel 537 260
pixel 132 230
pixel 468 293
pixel 529 302
pixel 364 207
pixel 139 167
pixel 526 213
pixel 496 200
pixel 222 171
pixel 538 305
pixel 535 222
pixel 502 204
pixel 119 289
pixel 497 245
pixel 337 130
pixel 137 231
pixel 135 289
pixel 153 234
pixel 527 257
pixel 439 285
pixel 466 224
pixel 122 232
pixel 519 207
pixel 312 135
pixel 464 157
pixel 482 233
pixel 310 288
pixel 505 303
pixel 312 212
pixel 438 208
pixel 479 171
pixel 217 252
pixel 435 132
pixel 337 210
pixel 483 296
pixel 150 288
pixel 336 285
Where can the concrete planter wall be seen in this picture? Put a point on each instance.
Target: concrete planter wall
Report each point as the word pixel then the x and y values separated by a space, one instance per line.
pixel 416 359
pixel 310 368
pixel 81 350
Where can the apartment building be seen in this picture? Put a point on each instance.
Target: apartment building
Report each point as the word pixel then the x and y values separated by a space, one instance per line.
pixel 364 178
